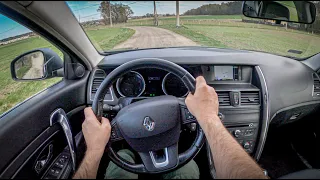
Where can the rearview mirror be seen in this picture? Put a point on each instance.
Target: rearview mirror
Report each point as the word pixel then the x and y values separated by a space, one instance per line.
pixel 290 11
pixel 37 64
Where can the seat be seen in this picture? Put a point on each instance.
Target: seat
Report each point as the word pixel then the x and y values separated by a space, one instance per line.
pixel 304 174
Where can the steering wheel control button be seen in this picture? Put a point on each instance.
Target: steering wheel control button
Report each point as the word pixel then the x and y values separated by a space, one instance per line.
pixel 113 134
pixel 189 115
pixel 192 126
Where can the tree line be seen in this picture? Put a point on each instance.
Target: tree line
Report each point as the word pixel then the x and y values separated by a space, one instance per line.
pixel 229 8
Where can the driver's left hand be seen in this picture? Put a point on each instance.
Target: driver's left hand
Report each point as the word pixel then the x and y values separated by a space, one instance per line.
pixel 96 134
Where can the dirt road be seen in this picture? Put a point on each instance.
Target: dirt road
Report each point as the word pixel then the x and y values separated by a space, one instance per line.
pixel 151 37
pixel 36 70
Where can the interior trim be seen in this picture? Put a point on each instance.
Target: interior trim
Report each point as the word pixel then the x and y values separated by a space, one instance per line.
pixel 59 116
pixel 294 106
pixel 14 167
pixel 266 113
pixel 160 164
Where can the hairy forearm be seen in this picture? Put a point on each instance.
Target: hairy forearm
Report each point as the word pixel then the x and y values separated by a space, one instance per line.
pixel 230 160
pixel 89 166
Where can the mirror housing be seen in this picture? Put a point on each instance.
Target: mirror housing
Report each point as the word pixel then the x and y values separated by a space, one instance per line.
pixel 38 64
pixel 289 11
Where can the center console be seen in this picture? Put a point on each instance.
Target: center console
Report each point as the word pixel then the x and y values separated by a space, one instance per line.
pixel 242 102
pixel 243 105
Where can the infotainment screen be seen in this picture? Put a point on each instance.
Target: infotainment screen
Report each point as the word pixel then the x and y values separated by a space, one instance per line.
pixel 221 73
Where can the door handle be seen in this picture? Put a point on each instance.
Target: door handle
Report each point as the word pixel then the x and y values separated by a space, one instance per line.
pixel 43 160
pixel 59 116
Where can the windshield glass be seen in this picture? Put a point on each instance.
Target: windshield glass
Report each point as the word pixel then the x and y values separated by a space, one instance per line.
pixel 153 24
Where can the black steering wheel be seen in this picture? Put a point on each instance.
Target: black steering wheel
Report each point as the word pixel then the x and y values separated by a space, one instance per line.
pixel 151 125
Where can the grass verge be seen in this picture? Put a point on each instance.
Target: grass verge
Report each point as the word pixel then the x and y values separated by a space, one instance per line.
pixel 195 36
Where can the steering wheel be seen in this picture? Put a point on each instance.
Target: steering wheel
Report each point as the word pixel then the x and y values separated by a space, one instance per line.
pixel 151 125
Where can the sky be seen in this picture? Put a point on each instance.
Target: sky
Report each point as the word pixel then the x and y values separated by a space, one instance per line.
pixel 87 10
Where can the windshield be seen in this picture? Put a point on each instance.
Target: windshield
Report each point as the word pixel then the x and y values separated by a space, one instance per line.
pixel 154 24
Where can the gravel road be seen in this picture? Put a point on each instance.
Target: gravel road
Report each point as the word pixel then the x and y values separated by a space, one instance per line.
pixel 36 70
pixel 151 37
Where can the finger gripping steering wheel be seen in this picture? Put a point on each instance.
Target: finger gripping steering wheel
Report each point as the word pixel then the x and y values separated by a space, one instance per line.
pixel 152 125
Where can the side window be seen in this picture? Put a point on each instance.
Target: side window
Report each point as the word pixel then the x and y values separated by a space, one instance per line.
pixel 15 40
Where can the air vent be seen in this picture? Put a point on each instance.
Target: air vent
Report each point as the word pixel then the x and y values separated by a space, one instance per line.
pixel 99 73
pixel 96 84
pixel 98 77
pixel 250 98
pixel 316 85
pixel 224 98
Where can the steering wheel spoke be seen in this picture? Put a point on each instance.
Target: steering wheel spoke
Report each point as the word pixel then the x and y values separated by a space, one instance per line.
pixel 186 116
pixel 116 134
pixel 160 160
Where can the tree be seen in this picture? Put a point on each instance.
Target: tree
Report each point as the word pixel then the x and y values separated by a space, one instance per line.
pixel 229 8
pixel 120 13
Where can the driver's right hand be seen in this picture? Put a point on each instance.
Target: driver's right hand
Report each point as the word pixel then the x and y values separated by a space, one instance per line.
pixel 203 104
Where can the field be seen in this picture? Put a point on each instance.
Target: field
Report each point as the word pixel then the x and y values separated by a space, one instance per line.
pixel 230 32
pixel 259 38
pixel 215 31
pixel 12 92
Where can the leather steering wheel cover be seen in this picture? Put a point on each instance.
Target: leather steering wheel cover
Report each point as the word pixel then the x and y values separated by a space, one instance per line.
pixel 189 82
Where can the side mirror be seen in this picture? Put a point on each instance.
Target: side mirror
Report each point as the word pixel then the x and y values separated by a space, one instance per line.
pixel 289 11
pixel 37 64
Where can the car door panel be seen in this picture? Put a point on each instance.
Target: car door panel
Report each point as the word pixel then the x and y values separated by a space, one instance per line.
pixel 25 129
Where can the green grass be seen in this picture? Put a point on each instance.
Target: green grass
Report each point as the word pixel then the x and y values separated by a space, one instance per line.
pixel 268 40
pixel 107 38
pixel 12 92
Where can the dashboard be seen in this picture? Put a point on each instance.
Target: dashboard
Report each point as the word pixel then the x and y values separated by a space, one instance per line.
pixel 254 89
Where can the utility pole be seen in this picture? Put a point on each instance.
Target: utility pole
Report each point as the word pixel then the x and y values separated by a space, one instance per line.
pixel 177 14
pixel 155 14
pixel 110 17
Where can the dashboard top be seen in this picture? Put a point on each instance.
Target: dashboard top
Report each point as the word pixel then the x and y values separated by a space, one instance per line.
pixel 289 82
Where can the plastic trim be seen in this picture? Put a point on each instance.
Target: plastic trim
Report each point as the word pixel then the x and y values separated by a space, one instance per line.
pixel 266 113
pixel 160 164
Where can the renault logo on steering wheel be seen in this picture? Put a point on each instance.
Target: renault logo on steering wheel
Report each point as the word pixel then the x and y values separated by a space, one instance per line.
pixel 148 123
